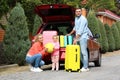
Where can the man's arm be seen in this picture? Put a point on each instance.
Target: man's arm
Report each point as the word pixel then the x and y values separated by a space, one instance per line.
pixel 71 32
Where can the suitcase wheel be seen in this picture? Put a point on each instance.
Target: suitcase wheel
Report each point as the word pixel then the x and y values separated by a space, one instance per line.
pixel 69 70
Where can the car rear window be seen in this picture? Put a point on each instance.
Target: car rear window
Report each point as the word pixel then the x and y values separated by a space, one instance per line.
pixel 61 28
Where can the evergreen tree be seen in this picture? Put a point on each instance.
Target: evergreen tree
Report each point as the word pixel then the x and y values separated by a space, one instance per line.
pixel 37 23
pixel 4 8
pixel 92 22
pixel 95 28
pixel 16 41
pixel 118 26
pixel 29 6
pixel 104 40
pixel 100 4
pixel 111 41
pixel 116 36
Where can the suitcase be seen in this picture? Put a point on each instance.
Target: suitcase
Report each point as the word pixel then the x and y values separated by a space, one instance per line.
pixel 65 40
pixel 70 40
pixel 61 40
pixel 72 58
pixel 47 36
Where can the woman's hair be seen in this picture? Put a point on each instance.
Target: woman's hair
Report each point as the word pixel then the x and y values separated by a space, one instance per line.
pixel 37 37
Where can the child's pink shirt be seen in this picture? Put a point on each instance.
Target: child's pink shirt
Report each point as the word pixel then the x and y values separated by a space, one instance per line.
pixel 56 48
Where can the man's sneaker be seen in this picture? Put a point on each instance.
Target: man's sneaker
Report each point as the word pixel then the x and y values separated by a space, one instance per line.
pixel 84 70
pixel 37 69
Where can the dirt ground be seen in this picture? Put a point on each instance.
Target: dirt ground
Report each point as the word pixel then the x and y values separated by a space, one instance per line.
pixel 111 53
pixel 14 69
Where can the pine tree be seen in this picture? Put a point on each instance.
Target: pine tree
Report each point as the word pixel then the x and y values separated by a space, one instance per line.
pixel 95 28
pixel 116 36
pixel 16 41
pixel 92 22
pixel 37 24
pixel 118 26
pixel 111 41
pixel 104 40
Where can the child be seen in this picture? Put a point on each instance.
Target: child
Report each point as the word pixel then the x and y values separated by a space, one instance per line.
pixel 35 53
pixel 55 54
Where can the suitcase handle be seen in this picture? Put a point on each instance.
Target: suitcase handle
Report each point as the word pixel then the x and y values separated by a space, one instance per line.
pixel 76 58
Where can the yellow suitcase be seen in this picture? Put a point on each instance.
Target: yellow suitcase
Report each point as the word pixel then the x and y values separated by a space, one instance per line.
pixel 61 39
pixel 72 58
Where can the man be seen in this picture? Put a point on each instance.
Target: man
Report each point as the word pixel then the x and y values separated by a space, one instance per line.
pixel 82 35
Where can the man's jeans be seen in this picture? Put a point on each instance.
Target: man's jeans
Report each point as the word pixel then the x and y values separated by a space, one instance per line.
pixel 84 52
pixel 35 60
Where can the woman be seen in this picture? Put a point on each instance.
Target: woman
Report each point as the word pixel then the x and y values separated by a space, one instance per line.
pixel 34 55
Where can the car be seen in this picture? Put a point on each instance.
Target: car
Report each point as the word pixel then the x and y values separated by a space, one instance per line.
pixel 60 17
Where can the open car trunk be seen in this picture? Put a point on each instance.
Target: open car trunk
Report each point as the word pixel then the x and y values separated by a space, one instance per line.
pixel 55 13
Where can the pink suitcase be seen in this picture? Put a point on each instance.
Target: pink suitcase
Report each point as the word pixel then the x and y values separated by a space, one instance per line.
pixel 47 36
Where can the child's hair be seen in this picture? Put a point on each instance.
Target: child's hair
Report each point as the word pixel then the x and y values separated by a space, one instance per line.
pixel 37 37
pixel 55 36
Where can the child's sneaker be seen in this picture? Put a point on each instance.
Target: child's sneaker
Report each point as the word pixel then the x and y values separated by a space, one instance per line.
pixel 84 69
pixel 57 69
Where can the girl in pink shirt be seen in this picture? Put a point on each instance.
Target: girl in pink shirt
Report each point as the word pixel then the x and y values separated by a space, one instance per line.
pixel 55 54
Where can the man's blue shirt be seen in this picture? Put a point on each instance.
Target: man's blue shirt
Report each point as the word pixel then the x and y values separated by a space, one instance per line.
pixel 81 27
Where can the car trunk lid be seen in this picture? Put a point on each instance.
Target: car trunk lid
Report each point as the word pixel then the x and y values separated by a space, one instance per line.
pixel 55 13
